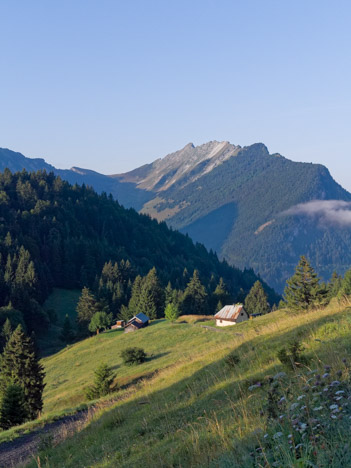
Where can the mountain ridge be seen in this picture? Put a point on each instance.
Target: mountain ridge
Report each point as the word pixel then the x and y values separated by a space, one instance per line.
pixel 235 200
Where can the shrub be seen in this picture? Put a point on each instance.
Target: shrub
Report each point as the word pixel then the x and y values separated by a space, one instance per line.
pixel 132 356
pixel 232 359
pixel 292 357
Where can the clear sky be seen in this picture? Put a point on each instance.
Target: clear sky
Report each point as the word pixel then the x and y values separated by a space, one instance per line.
pixel 111 85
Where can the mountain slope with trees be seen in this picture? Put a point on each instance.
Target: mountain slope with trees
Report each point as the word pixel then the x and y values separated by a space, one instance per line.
pixel 54 234
pixel 240 202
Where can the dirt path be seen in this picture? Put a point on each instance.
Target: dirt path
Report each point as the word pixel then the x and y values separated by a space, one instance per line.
pixel 21 450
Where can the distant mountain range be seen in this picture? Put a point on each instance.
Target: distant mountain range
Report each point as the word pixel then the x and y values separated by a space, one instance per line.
pixel 255 209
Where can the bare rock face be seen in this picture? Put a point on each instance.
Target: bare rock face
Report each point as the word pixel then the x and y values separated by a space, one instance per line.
pixel 185 165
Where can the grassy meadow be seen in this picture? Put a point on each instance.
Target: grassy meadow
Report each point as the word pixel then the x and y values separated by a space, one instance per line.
pixel 62 302
pixel 184 406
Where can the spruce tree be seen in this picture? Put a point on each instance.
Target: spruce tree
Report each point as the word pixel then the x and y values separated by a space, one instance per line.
pixel 20 365
pixel 256 300
pixel 6 331
pixel 67 333
pixel 344 292
pixel 303 289
pixel 102 382
pixel 195 297
pixel 87 306
pixel 13 410
pixel 171 312
pixel 134 302
pixel 152 296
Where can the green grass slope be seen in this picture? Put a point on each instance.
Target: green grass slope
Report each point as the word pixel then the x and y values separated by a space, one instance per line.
pixel 184 407
pixel 63 302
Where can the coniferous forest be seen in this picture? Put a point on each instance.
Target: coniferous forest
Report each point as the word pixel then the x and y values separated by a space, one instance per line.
pixel 58 235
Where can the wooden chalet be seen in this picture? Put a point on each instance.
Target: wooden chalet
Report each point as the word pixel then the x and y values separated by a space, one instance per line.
pixel 230 315
pixel 118 324
pixel 135 323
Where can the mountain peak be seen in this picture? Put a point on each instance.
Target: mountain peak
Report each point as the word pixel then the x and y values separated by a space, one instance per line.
pixel 187 164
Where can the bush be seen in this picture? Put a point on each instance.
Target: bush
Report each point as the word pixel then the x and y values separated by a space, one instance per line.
pixel 292 357
pixel 232 359
pixel 132 356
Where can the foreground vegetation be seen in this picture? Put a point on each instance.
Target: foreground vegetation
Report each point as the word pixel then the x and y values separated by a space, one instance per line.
pixel 186 406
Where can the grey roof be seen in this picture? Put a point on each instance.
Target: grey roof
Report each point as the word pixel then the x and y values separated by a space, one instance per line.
pixel 142 317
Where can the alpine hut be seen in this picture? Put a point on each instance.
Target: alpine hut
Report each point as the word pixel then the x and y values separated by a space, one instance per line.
pixel 135 323
pixel 230 315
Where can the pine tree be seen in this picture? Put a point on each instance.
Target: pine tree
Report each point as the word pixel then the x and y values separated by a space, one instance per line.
pixel 195 297
pixel 102 382
pixel 220 295
pixel 134 302
pixel 171 312
pixel 67 333
pixel 303 290
pixel 334 285
pixel 344 292
pixel 256 300
pixel 13 410
pixel 152 296
pixel 6 331
pixel 20 365
pixel 87 306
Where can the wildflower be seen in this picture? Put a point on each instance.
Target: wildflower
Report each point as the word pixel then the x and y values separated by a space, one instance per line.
pixel 319 408
pixel 293 406
pixel 300 397
pixel 339 392
pixel 324 376
pixel 277 435
pixel 333 407
pixel 335 383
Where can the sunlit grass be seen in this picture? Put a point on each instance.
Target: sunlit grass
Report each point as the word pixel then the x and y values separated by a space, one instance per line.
pixel 190 409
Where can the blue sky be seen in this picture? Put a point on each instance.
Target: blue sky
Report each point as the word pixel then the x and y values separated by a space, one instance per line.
pixel 111 85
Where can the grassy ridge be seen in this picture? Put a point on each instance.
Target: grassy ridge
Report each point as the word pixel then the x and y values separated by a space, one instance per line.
pixel 193 411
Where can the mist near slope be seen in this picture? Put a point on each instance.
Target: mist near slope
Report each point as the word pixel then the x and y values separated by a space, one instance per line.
pixel 336 212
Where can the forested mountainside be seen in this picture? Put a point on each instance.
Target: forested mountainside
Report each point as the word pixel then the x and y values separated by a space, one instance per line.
pixel 246 208
pixel 243 203
pixel 56 234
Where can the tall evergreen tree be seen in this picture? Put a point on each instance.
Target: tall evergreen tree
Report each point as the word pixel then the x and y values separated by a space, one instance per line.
pixel 87 306
pixel 195 297
pixel 134 303
pixel 256 301
pixel 67 333
pixel 303 289
pixel 20 365
pixel 152 296
pixel 344 292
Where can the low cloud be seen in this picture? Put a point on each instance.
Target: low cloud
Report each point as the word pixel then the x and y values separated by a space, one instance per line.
pixel 336 212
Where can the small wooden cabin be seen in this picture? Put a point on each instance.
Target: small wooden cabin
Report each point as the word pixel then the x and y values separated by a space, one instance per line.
pixel 118 324
pixel 230 315
pixel 135 323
